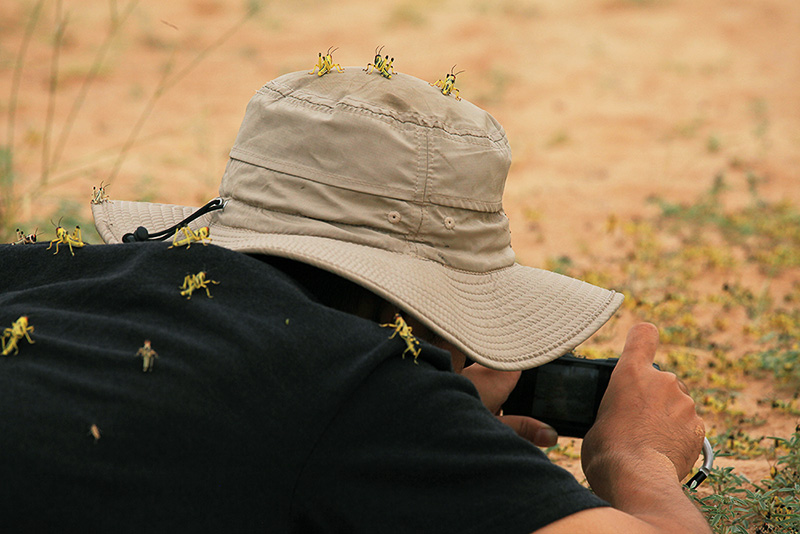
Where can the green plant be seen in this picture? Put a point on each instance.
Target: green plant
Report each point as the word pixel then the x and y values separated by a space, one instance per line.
pixel 767 232
pixel 784 363
pixel 737 505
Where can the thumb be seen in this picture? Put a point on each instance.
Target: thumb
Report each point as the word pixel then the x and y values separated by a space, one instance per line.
pixel 533 430
pixel 640 346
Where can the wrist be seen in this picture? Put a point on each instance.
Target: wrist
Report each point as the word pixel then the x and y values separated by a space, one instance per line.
pixel 632 481
pixel 624 478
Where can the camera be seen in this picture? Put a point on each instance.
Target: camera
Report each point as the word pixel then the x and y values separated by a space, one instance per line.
pixel 564 393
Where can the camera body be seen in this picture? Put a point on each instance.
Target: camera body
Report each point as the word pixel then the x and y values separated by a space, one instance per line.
pixel 564 393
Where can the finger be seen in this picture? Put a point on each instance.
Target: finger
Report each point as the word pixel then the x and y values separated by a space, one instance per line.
pixel 640 345
pixel 538 433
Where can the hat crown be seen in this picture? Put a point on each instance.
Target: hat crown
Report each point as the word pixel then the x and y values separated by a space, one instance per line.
pixel 392 163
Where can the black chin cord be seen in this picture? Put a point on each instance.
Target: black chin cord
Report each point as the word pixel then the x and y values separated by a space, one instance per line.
pixel 141 233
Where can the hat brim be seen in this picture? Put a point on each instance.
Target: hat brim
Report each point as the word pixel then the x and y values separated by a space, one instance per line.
pixel 511 318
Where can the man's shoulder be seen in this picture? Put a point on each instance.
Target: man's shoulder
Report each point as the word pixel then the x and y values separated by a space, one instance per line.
pixel 137 263
pixel 208 297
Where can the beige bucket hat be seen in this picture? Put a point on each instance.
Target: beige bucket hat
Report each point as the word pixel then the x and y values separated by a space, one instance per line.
pixel 398 187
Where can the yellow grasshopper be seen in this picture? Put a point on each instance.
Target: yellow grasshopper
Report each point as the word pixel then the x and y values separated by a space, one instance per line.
pixel 99 194
pixel 402 329
pixel 325 63
pixel 190 236
pixel 196 281
pixel 386 69
pixel 377 63
pixel 64 238
pixel 23 239
pixel 11 336
pixel 148 356
pixel 449 84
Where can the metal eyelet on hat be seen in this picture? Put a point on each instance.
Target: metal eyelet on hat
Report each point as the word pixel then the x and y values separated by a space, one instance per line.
pixel 449 223
pixel 394 217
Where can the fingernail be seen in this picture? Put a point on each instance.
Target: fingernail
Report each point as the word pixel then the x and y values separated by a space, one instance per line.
pixel 546 437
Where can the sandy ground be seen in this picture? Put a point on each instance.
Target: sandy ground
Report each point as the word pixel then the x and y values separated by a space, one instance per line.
pixel 606 102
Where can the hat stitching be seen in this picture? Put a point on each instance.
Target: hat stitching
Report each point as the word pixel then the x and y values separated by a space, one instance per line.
pixel 294 100
pixel 484 289
pixel 426 153
pixel 488 205
pixel 552 341
pixel 421 174
pixel 415 235
pixel 431 195
pixel 427 167
pixel 365 108
pixel 292 94
pixel 422 164
pixel 492 139
pixel 467 135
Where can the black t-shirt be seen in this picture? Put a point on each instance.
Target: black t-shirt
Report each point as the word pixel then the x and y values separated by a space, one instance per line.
pixel 264 411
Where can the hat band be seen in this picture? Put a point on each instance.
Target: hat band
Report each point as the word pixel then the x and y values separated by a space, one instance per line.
pixel 263 200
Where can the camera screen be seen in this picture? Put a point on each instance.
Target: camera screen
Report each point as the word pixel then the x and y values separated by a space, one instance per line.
pixel 566 393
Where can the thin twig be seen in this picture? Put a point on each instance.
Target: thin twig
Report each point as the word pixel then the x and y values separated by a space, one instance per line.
pixel 166 83
pixel 116 23
pixel 148 108
pixel 17 76
pixel 98 159
pixel 216 44
pixel 61 24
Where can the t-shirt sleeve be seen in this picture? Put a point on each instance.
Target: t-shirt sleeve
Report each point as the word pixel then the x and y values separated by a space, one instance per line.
pixel 414 450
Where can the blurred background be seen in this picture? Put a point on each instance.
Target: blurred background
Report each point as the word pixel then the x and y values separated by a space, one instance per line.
pixel 606 102
pixel 656 147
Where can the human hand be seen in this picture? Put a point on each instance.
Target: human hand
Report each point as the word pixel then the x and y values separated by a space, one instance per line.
pixel 646 416
pixel 494 388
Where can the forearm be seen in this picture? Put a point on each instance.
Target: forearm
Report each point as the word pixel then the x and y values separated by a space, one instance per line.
pixel 645 486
